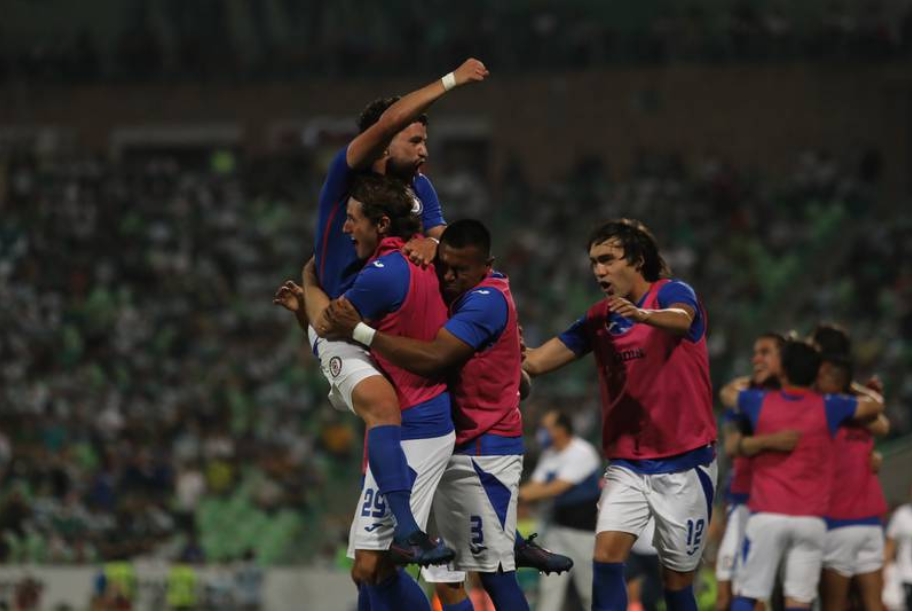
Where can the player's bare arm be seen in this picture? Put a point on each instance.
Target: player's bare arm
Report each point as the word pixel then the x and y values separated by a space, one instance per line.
pixel 879 427
pixel 368 146
pixel 444 352
pixel 676 319
pixel 728 395
pixel 534 491
pixel 869 408
pixel 315 299
pixel 550 356
pixel 780 442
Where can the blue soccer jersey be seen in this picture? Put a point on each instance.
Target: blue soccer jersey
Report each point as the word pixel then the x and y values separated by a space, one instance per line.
pixel 479 317
pixel 336 260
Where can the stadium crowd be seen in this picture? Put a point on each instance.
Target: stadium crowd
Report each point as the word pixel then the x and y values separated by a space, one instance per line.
pixel 145 371
pixel 286 39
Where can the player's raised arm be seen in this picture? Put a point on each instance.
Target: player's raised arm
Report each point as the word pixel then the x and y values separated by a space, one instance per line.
pixel 369 145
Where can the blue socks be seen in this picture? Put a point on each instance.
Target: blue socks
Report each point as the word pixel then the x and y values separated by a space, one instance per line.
pixel 682 599
pixel 504 590
pixel 743 603
pixel 391 471
pixel 398 592
pixel 609 591
pixel 364 600
pixel 465 604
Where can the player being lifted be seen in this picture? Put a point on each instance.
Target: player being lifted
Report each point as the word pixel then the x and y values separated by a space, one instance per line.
pixel 392 140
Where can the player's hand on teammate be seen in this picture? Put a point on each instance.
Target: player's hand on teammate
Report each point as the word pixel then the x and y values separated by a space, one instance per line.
pixel 875 462
pixel 627 309
pixel 420 250
pixel 471 71
pixel 342 318
pixel 783 441
pixel 290 296
pixel 875 384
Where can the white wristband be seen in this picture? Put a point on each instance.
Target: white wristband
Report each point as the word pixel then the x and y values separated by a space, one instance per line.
pixel 434 239
pixel 449 81
pixel 363 334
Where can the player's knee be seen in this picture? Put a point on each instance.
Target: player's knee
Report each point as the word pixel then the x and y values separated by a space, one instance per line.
pixel 376 403
pixel 371 567
pixel 675 580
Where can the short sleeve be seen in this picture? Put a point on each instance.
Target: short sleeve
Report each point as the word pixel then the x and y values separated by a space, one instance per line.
pixel 839 409
pixel 380 287
pixel 749 403
pixel 576 337
pixel 679 292
pixel 480 318
pixel 431 212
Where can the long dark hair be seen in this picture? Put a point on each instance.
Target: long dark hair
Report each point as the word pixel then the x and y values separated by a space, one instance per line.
pixel 640 247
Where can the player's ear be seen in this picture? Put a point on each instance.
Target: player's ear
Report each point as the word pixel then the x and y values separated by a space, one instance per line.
pixel 383 225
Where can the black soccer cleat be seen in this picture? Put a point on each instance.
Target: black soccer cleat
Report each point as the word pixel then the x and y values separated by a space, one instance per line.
pixel 530 554
pixel 421 549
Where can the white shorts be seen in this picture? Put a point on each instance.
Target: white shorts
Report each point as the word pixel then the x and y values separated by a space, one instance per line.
pixel 730 547
pixel 344 365
pixel 854 550
pixel 770 537
pixel 475 514
pixel 373 526
pixel 680 502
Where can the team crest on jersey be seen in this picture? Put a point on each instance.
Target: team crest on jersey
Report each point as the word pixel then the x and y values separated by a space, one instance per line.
pixel 618 325
pixel 335 366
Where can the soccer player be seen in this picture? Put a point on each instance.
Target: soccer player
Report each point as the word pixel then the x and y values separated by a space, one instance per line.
pixel 740 446
pixel 790 492
pixel 400 297
pixel 392 141
pixel 649 341
pixel 479 348
pixel 568 472
pixel 854 544
pixel 898 551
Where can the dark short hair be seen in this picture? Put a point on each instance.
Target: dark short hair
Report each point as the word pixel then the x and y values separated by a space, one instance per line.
pixel 832 339
pixel 640 246
pixel 800 362
pixel 468 233
pixel 843 365
pixel 563 420
pixel 387 196
pixel 372 112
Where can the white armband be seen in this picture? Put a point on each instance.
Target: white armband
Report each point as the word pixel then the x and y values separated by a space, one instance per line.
pixel 363 334
pixel 449 81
